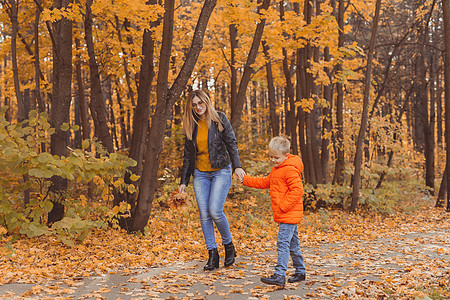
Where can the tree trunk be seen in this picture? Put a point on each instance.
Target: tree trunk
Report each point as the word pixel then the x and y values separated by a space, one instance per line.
pixel 165 100
pixel 442 194
pixel 314 113
pixel 141 120
pixel 439 112
pixel 301 116
pixel 422 129
pixel 446 14
pixel 291 120
pixel 85 128
pixel 62 96
pixel 233 70
pixel 99 105
pixel 15 27
pixel 339 142
pixel 271 91
pixel 125 63
pixel 78 139
pixel 326 123
pixel 37 67
pixel 123 128
pixel 291 127
pixel 300 93
pixel 139 137
pixel 430 136
pixel 364 118
pixel 142 111
pixel 236 110
pixel 425 125
pixel 27 108
pixel 108 93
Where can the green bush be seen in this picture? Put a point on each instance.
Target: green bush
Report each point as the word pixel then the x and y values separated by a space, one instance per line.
pixel 400 190
pixel 26 170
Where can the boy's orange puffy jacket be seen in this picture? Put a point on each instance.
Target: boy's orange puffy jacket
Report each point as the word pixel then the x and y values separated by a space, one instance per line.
pixel 286 190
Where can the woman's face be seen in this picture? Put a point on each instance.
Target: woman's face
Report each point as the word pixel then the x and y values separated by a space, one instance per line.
pixel 199 107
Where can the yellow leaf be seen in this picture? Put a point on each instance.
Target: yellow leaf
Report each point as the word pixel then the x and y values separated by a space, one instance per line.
pixel 131 189
pixel 115 210
pixel 134 177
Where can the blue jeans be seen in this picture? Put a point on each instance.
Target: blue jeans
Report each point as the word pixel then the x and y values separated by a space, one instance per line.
pixel 211 189
pixel 288 243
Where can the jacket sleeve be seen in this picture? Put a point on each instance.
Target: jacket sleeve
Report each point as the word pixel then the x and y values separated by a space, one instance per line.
pixel 295 193
pixel 186 170
pixel 257 182
pixel 230 141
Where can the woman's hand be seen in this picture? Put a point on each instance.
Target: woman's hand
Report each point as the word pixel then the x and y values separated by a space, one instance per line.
pixel 182 188
pixel 239 173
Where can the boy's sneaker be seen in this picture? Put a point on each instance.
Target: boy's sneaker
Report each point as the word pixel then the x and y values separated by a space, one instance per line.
pixel 297 277
pixel 274 279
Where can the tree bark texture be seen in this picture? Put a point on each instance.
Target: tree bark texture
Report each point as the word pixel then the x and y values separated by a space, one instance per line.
pixel 423 131
pixel 291 120
pixel 125 63
pixel 291 127
pixel 99 104
pixel 446 9
pixel 429 115
pixel 37 66
pixel 364 118
pixel 140 121
pixel 233 70
pixel 165 100
pixel 301 116
pixel 275 126
pixel 62 96
pixel 326 123
pixel 85 127
pixel 439 110
pixel 14 5
pixel 236 110
pixel 442 194
pixel 142 111
pixel 314 113
pixel 123 128
pixel 339 140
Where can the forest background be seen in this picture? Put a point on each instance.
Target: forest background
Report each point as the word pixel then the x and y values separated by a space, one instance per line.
pixel 92 96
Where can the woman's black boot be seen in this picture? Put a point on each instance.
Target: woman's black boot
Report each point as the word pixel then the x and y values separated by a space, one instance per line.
pixel 230 254
pixel 213 260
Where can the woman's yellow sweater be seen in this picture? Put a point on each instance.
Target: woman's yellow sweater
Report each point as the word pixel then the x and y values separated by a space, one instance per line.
pixel 203 162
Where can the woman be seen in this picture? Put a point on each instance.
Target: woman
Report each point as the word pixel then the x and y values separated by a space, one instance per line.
pixel 210 154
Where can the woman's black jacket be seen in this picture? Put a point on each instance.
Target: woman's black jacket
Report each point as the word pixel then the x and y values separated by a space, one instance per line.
pixel 222 147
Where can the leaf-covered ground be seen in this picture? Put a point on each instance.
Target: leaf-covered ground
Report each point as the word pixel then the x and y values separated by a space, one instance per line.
pixel 348 256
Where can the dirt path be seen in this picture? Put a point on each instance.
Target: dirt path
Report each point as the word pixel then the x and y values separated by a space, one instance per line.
pixel 379 268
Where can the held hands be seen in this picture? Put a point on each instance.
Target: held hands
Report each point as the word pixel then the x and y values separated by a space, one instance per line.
pixel 239 172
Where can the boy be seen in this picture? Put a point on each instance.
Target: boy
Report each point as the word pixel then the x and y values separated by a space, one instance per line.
pixel 286 191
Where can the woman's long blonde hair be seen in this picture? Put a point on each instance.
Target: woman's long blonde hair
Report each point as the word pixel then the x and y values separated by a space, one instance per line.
pixel 190 117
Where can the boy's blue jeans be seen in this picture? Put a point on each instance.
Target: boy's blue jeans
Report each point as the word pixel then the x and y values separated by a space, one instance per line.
pixel 288 243
pixel 211 189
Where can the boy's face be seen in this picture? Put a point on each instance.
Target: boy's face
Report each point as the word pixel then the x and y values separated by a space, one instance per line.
pixel 277 157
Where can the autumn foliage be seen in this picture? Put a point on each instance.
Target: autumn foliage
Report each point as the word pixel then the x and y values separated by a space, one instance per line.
pixel 91 140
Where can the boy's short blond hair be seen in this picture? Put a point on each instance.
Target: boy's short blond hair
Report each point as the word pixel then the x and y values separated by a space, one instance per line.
pixel 280 143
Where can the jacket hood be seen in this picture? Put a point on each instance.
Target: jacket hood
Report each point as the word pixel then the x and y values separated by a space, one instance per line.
pixel 293 160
